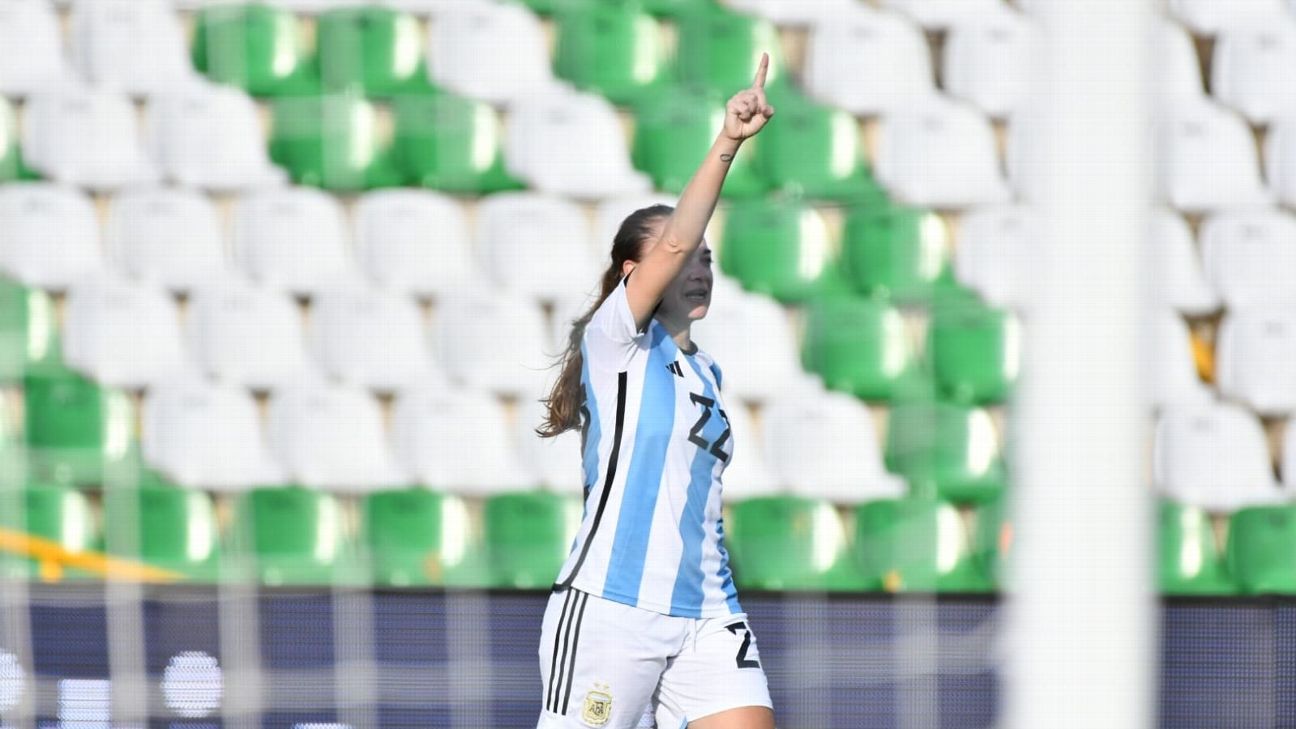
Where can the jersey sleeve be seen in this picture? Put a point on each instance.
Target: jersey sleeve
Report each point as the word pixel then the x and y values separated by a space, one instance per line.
pixel 611 337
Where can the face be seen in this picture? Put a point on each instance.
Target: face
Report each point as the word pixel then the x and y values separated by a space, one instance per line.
pixel 689 296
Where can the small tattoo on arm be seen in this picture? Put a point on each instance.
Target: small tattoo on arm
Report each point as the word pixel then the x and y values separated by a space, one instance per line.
pixel 726 157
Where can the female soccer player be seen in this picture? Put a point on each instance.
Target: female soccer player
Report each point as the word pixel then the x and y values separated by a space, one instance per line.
pixel 644 612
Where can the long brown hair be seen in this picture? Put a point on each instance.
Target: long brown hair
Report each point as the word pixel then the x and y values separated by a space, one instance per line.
pixel 565 399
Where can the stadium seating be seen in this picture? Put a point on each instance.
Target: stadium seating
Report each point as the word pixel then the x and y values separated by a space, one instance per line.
pixel 535 244
pixel 1179 75
pixel 989 58
pixel 1261 545
pixel 1254 68
pixel 814 151
pixel 27 331
pixel 449 143
pixel 992 539
pixel 51 234
pixel 254 46
pixel 894 252
pixel 49 512
pixel 31 49
pixel 780 248
pixel 292 239
pixel 1254 350
pixel 675 130
pixel 330 142
pixel 209 136
pixel 418 537
pixel 824 445
pixel 1214 456
pixel 412 242
pixel 1280 158
pixel 120 333
pixel 1208 17
pixel 167 237
pixel 527 537
pixel 1250 257
pixel 1170 376
pixel 937 14
pixel 719 49
pixel 750 338
pixel 492 340
pixel 790 543
pixel 77 432
pixel 1190 562
pixel 87 138
pixel 945 451
pixel 164 527
pixel 370 50
pixel 616 51
pixel 369 337
pixel 974 350
pixel 205 436
pixel 1181 281
pixel 945 135
pixel 466 34
pixel 996 251
pixel 916 545
pixel 134 46
pixel 888 44
pixel 243 334
pixel 553 463
pixel 11 166
pixel 290 536
pixel 797 12
pixel 331 437
pixel 859 346
pixel 1207 159
pixel 457 441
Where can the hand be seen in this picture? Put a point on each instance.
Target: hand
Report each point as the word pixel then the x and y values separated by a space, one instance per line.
pixel 748 111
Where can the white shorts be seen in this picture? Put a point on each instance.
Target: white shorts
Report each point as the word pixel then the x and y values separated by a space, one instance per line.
pixel 605 664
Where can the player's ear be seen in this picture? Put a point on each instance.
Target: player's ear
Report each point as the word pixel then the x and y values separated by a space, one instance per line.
pixel 626 268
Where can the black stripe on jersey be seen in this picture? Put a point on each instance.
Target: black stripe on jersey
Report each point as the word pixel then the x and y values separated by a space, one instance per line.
pixel 607 482
pixel 571 669
pixel 553 662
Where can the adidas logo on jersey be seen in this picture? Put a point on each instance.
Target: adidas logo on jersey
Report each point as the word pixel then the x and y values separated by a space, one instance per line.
pixel 675 369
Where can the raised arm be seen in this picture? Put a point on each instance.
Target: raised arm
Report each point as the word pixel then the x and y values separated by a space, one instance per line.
pixel 745 115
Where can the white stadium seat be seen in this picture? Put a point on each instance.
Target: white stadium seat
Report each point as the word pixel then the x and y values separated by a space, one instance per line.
pixel 536 245
pixel 167 236
pixel 797 12
pixel 555 463
pixel 996 252
pixel 1208 17
pixel 1289 455
pixel 1178 75
pixel 121 333
pixel 1254 69
pixel 1169 370
pixel 989 60
pixel 245 335
pixel 496 52
pixel 493 340
pixel 868 63
pixel 1207 159
pixel 31 48
pixel 824 445
pixel 457 440
pixel 1255 352
pixel 1178 278
pixel 133 46
pixel 750 338
pixel 413 241
pixel 331 437
pixel 1214 456
pixel 571 144
pixel 939 154
pixel 206 436
pixel 610 213
pixel 209 136
pixel 51 234
pixel 291 239
pixel 370 337
pixel 85 137
pixel 1280 158
pixel 427 7
pixel 748 475
pixel 1250 257
pixel 938 14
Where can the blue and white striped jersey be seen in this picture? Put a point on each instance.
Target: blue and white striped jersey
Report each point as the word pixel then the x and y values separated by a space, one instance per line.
pixel 655 443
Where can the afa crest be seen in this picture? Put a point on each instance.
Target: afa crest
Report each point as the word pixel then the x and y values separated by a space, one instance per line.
pixel 597 709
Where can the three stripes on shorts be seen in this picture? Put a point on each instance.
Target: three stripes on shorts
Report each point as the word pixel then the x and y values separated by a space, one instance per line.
pixel 562 666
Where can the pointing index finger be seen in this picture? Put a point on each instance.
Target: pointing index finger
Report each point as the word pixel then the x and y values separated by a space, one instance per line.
pixel 759 83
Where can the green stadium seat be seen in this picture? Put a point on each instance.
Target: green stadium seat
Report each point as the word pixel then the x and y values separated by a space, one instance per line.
pixel 719 50
pixel 916 545
pixel 330 142
pixel 614 50
pixel 677 8
pixel 894 252
pixel 78 433
pixel 11 165
pixel 293 536
pixel 859 346
pixel 945 450
pixel 528 536
pixel 450 143
pixel 373 51
pixel 1261 552
pixel 61 515
pixel 673 134
pixel 176 529
pixel 1190 562
pixel 781 248
pixel 256 47
pixel 791 543
pixel 418 537
pixel 973 350
pixel 992 538
pixel 27 330
pixel 814 150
